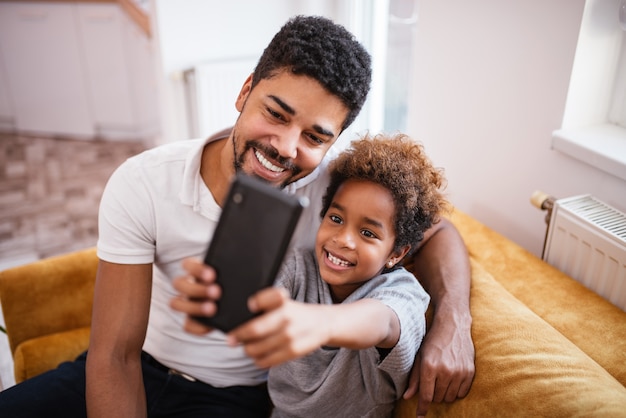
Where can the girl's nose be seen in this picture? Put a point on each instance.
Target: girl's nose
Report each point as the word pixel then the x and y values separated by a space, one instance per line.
pixel 344 238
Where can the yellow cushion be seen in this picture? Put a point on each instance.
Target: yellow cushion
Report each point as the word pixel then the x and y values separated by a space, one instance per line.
pixel 586 319
pixel 524 367
pixel 41 354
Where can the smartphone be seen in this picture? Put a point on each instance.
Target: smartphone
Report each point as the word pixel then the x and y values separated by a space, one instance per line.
pixel 249 244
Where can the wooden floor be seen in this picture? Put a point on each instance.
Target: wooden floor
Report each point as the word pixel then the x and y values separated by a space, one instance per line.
pixel 50 191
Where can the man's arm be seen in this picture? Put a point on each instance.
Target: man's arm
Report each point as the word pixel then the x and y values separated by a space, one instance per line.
pixel 120 317
pixel 444 367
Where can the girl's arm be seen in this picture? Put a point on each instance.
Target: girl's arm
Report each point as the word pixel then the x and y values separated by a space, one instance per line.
pixel 289 329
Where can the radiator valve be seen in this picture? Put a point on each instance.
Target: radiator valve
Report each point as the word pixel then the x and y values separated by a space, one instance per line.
pixel 543 201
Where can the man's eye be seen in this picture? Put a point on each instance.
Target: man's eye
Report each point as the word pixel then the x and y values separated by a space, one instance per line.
pixel 274 114
pixel 316 139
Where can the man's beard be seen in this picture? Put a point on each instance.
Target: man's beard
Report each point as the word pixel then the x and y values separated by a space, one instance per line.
pixel 267 151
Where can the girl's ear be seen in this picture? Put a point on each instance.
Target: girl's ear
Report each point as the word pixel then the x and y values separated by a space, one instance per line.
pixel 243 93
pixel 396 256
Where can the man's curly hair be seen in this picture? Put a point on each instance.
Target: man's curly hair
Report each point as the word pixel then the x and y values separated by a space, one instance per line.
pixel 400 165
pixel 317 47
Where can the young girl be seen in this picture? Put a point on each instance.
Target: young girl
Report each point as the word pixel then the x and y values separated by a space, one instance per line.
pixel 355 319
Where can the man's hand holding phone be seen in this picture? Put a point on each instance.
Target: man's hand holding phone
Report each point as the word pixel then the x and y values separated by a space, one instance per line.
pixel 198 295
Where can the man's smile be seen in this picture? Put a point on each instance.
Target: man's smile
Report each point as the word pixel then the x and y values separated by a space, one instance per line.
pixel 266 163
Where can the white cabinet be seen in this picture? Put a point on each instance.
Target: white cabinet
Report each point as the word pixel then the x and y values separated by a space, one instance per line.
pixel 120 72
pixel 39 45
pixel 7 115
pixel 103 47
pixel 78 69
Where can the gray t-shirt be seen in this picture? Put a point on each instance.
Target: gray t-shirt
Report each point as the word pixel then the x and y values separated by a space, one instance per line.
pixel 339 382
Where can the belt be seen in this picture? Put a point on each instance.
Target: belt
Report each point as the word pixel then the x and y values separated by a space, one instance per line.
pixel 154 363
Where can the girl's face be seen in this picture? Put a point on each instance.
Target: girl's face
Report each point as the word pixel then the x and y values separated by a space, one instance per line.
pixel 356 238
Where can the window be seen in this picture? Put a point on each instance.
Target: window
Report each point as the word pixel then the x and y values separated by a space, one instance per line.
pixel 617 113
pixel 386 28
pixel 400 32
pixel 594 123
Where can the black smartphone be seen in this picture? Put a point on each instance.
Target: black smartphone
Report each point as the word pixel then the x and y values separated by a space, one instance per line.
pixel 249 244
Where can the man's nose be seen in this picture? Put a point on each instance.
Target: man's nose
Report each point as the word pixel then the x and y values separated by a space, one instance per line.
pixel 287 143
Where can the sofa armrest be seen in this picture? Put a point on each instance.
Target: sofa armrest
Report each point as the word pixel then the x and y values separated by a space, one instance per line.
pixel 48 296
pixel 38 355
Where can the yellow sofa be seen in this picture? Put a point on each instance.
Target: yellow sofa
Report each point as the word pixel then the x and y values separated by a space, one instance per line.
pixel 545 345
pixel 47 310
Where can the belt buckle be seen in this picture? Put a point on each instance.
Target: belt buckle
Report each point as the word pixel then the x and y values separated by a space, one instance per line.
pixel 183 375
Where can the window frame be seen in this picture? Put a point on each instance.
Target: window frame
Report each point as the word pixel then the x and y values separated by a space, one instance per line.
pixel 594 121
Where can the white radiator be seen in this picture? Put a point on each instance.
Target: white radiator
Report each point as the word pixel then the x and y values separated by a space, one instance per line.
pixel 586 239
pixel 211 89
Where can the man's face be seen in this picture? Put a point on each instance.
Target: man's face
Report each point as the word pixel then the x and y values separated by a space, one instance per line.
pixel 286 125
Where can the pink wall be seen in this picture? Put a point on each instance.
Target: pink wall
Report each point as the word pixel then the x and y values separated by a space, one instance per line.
pixel 490 85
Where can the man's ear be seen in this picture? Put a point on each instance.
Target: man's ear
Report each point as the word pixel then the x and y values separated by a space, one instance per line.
pixel 243 93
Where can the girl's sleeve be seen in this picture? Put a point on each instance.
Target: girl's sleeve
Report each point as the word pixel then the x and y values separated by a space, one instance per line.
pixel 408 299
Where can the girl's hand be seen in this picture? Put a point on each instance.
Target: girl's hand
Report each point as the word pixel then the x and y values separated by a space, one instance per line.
pixel 287 329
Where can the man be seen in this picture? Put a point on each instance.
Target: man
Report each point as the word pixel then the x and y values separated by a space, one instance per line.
pixel 160 208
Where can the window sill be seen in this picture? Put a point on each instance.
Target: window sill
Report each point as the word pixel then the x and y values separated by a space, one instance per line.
pixel 602 146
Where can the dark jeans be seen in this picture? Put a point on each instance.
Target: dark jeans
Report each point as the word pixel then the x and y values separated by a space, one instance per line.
pixel 61 393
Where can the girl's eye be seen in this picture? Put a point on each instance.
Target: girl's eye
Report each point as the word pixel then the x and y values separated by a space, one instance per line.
pixel 334 218
pixel 368 233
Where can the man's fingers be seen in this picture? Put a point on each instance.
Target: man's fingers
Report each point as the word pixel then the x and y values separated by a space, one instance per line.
pixel 454 385
pixel 195 327
pixel 188 287
pixel 426 394
pixel 452 391
pixel 411 390
pixel 441 388
pixel 202 272
pixel 193 307
pixel 462 390
pixel 199 283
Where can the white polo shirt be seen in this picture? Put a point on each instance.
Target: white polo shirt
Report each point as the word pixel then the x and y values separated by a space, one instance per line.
pixel 157 209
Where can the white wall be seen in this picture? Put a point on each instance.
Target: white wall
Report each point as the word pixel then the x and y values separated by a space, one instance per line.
pixel 490 85
pixel 188 32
